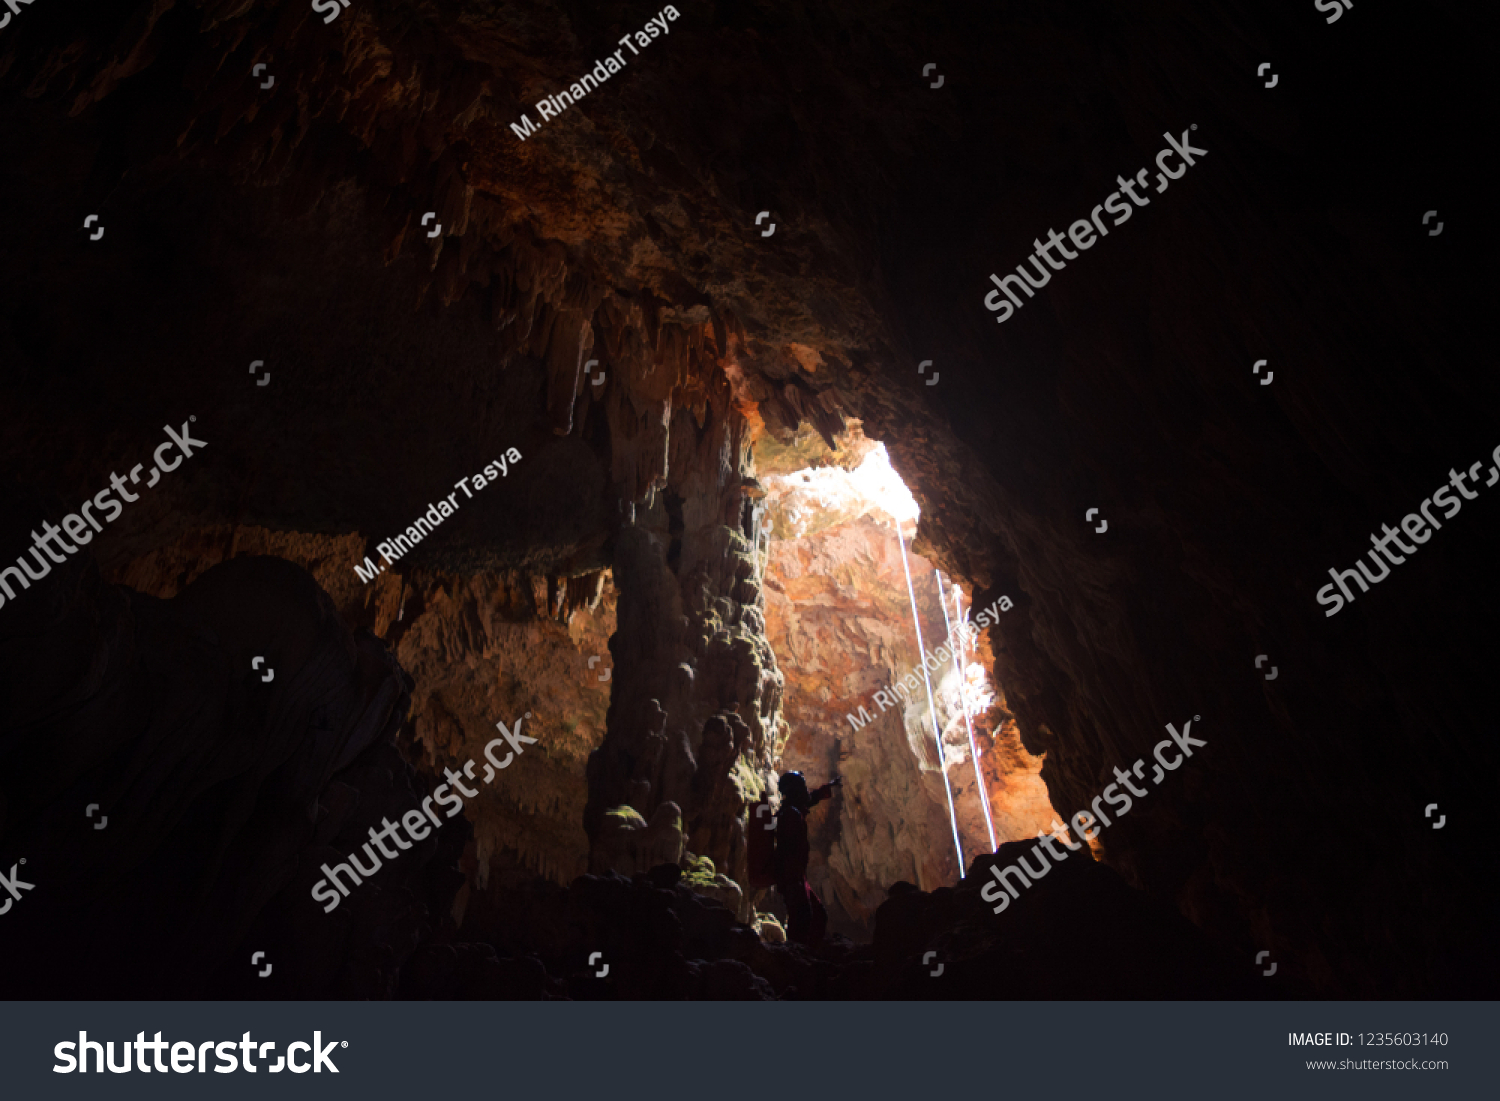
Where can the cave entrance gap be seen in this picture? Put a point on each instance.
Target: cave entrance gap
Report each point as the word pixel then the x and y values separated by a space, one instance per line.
pixel 839 618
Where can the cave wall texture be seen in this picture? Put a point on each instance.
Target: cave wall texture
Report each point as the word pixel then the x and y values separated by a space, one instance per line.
pixel 286 225
pixel 476 646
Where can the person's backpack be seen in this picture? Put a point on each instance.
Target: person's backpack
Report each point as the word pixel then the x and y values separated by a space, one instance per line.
pixel 760 845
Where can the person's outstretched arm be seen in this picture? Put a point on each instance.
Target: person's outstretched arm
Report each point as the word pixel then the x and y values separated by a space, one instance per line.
pixel 824 792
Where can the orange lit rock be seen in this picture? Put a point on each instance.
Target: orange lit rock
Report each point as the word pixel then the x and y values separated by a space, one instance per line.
pixel 838 616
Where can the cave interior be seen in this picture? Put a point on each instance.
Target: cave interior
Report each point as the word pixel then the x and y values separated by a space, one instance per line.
pixel 673 472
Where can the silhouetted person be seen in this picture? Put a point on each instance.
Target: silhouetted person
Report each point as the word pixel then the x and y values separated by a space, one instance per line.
pixel 807 921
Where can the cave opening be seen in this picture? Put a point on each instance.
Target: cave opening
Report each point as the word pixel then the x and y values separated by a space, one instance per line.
pixel 839 618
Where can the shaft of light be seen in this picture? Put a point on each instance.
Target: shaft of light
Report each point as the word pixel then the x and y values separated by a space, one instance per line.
pixel 931 705
pixel 963 696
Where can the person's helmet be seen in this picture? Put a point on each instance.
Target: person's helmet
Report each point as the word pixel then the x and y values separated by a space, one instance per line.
pixel 793 788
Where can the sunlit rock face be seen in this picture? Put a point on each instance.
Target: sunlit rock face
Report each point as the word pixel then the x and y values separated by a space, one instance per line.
pixel 838 613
